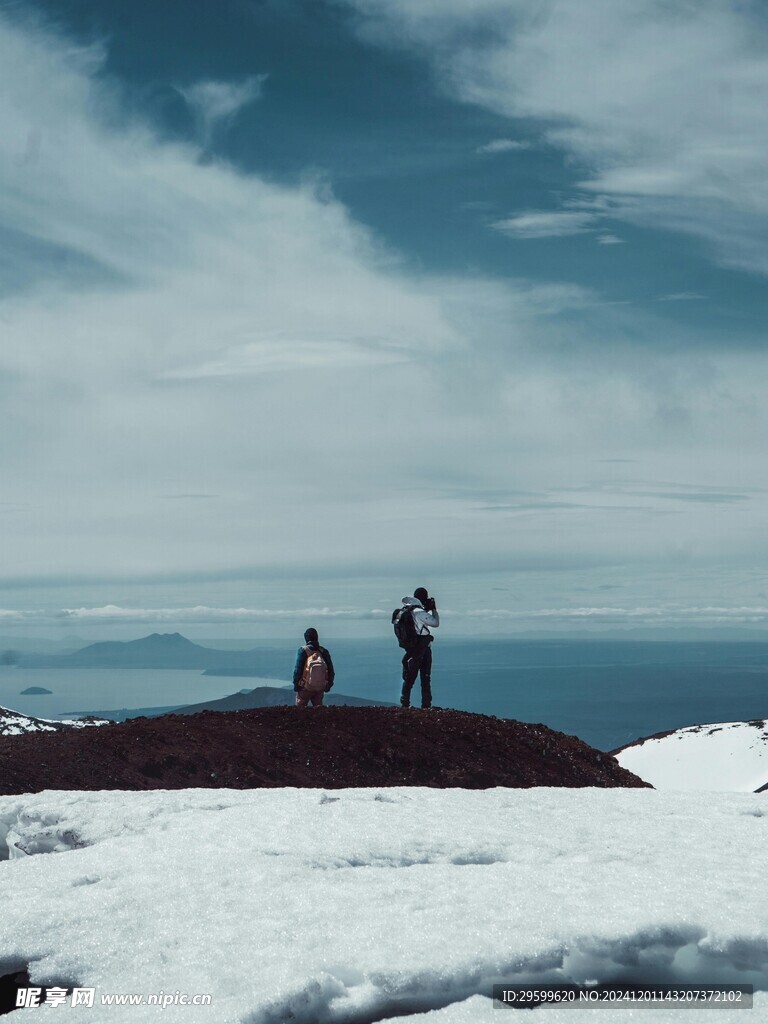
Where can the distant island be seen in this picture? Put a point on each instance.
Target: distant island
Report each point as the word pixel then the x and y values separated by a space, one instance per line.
pixel 164 651
pixel 34 690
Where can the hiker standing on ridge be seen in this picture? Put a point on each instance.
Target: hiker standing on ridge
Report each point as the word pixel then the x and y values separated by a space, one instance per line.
pixel 313 672
pixel 412 624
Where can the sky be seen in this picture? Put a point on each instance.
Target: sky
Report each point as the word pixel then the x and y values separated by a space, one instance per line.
pixel 306 304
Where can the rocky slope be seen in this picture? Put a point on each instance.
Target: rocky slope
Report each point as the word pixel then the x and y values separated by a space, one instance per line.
pixel 332 747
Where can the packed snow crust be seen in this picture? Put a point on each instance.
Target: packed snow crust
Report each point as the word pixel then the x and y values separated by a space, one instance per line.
pixel 723 756
pixel 354 906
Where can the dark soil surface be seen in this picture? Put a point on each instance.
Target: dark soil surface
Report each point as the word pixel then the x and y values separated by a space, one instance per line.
pixel 330 747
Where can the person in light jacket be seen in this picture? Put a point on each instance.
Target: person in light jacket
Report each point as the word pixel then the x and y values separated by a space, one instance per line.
pixel 417 660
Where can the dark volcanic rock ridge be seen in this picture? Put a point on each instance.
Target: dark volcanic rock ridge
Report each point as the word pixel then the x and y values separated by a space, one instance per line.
pixel 330 748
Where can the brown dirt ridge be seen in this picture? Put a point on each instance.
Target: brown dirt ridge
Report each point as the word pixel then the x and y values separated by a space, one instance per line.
pixel 330 748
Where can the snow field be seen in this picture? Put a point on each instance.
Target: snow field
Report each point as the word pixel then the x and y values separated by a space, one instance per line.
pixel 352 906
pixel 722 757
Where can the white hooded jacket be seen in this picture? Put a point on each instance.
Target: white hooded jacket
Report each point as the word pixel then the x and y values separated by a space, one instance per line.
pixel 421 617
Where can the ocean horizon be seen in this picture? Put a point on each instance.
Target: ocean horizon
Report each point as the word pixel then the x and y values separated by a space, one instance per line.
pixel 607 693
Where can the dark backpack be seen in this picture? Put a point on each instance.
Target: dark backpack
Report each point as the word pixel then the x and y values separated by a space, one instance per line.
pixel 404 626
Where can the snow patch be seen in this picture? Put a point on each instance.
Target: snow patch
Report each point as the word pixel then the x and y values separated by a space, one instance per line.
pixel 663 956
pixel 356 910
pixel 722 757
pixel 13 723
pixel 24 833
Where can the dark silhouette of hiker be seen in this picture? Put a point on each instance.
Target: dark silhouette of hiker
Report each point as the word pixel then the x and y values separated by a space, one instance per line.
pixel 313 672
pixel 417 660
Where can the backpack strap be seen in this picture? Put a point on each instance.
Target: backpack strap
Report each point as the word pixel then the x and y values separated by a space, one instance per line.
pixel 309 651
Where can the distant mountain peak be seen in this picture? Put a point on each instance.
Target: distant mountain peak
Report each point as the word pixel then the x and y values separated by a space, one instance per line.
pixel 164 638
pixel 158 650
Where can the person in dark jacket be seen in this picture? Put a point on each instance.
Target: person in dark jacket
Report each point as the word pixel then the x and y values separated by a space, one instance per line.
pixel 309 668
pixel 417 660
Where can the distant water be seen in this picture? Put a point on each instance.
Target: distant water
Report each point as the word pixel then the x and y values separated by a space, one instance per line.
pixel 606 692
pixel 106 689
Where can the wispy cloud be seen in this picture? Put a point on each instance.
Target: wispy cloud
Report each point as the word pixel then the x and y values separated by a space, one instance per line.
pixel 275 353
pixel 217 104
pixel 504 146
pixel 578 215
pixel 545 224
pixel 201 614
pixel 665 102
pixel 650 615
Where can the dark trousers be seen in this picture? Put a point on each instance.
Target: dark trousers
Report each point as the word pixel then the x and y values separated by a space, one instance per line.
pixel 417 660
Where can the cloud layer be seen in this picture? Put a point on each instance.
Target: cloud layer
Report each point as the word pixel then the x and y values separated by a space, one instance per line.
pixel 465 622
pixel 662 105
pixel 176 327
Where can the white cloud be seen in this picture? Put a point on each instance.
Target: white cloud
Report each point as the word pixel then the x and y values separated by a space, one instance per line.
pixel 275 353
pixel 234 338
pixel 664 102
pixel 667 614
pixel 648 615
pixel 545 224
pixel 681 297
pixel 503 146
pixel 202 614
pixel 216 104
pixel 609 239
pixel 146 376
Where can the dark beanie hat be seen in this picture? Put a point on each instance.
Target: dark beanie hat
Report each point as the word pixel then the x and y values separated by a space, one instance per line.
pixel 310 635
pixel 420 593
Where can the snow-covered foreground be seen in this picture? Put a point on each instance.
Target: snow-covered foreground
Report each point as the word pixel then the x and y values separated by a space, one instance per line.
pixel 724 756
pixel 356 905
